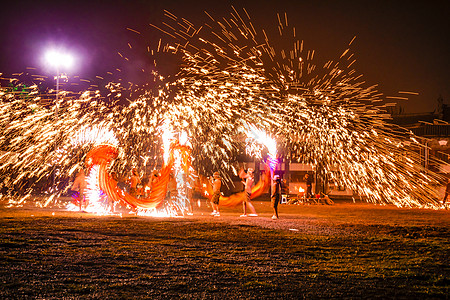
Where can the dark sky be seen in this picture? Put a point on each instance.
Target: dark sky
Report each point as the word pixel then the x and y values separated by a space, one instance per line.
pixel 401 46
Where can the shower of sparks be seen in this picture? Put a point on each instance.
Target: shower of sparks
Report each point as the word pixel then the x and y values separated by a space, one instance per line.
pixel 328 117
pixel 97 201
pixel 178 204
pixel 231 75
pixel 95 136
pixel 168 137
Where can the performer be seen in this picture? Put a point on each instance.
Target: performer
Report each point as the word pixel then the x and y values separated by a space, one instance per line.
pixel 216 184
pixel 80 186
pixel 134 181
pixel 249 180
pixel 153 178
pixel 275 195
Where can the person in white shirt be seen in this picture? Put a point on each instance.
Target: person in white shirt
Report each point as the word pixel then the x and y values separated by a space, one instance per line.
pixel 249 180
pixel 216 184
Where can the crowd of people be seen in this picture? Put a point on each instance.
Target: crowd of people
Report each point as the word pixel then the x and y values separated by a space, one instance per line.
pixel 248 180
pixel 141 188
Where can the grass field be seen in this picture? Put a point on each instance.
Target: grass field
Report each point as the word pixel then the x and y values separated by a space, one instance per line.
pixel 314 251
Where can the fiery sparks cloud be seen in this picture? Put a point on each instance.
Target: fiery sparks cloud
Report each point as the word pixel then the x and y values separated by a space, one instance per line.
pixel 231 75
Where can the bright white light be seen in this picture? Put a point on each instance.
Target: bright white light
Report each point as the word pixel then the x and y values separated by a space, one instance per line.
pixel 168 136
pixel 262 137
pixel 59 59
pixel 183 138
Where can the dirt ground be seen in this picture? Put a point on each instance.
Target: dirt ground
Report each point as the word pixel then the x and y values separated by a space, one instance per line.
pixel 347 250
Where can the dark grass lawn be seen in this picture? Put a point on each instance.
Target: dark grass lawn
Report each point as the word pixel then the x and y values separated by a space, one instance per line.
pixel 341 251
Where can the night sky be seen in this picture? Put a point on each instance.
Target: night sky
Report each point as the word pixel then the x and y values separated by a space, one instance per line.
pixel 401 46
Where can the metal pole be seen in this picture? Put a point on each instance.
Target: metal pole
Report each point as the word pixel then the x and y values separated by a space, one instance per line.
pixel 56 120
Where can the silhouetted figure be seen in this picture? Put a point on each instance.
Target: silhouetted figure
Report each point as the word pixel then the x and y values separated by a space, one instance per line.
pixel 276 195
pixel 308 180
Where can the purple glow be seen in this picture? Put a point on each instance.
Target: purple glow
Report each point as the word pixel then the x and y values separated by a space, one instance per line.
pixel 273 162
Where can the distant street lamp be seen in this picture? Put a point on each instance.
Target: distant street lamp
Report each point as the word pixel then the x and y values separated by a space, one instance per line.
pixel 58 60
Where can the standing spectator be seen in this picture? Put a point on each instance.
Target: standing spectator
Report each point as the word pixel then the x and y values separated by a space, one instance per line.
pixel 275 195
pixel 308 180
pixel 249 180
pixel 216 184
